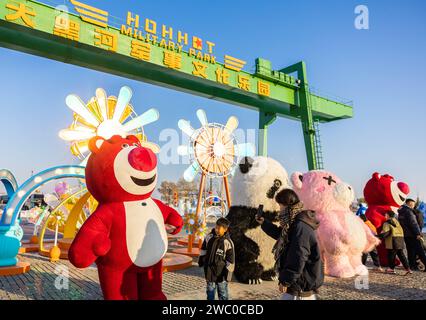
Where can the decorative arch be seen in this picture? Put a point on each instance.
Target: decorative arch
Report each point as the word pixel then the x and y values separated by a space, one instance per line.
pixel 9 182
pixel 22 193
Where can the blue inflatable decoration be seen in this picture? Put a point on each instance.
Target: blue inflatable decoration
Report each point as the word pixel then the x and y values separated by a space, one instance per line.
pixel 10 231
pixel 10 237
pixel 422 207
pixel 9 182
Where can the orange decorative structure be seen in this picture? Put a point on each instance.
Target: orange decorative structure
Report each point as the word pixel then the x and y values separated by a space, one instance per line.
pixel 185 242
pixel 190 251
pixel 27 246
pixel 19 268
pixel 173 262
pixel 34 239
pixel 75 218
pixel 54 253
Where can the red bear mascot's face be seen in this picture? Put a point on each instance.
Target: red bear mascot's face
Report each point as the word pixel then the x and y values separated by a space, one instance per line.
pixel 120 169
pixel 384 191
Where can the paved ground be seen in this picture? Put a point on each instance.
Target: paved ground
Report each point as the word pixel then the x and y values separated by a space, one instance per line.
pixel 43 282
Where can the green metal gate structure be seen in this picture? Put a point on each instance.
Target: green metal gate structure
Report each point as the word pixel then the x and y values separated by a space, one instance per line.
pixel 87 39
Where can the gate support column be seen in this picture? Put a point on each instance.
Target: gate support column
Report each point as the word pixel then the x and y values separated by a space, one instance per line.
pixel 305 111
pixel 265 119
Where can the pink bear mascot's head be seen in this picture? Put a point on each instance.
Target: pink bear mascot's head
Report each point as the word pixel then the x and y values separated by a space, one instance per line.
pixel 322 190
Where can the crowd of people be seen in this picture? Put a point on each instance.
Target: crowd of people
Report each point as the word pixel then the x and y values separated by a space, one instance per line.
pixel 297 254
pixel 401 232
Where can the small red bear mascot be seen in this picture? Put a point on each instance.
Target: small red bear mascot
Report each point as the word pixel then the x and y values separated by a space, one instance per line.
pixel 383 194
pixel 126 235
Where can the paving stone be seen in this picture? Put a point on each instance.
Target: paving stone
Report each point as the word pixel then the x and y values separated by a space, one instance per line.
pixel 189 284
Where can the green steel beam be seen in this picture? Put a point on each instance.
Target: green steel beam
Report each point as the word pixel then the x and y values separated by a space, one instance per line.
pixel 327 110
pixel 42 44
pixel 286 97
pixel 265 119
pixel 307 119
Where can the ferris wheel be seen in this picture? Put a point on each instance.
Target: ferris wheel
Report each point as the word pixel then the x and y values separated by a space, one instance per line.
pixel 105 116
pixel 213 148
pixel 214 153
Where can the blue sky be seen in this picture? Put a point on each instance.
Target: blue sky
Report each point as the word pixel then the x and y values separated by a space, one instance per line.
pixel 382 69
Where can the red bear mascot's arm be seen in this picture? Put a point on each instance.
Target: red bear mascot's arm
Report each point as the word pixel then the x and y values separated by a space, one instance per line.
pixel 171 216
pixel 92 240
pixel 376 215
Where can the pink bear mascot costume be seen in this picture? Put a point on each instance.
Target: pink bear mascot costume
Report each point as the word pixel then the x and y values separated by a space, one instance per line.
pixel 126 235
pixel 342 236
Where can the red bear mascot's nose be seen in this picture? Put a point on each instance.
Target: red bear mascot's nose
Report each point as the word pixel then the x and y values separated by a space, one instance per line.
pixel 403 187
pixel 142 159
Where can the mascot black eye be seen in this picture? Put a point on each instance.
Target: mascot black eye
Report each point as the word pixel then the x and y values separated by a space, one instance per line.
pixel 125 145
pixel 136 144
pixel 271 192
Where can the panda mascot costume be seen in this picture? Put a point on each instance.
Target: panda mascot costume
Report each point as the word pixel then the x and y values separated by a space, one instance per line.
pixel 256 182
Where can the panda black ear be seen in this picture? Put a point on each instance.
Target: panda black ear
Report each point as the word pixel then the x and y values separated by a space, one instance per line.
pixel 246 164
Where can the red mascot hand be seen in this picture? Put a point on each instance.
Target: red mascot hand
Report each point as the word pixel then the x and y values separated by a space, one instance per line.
pixel 101 245
pixel 171 216
pixel 91 241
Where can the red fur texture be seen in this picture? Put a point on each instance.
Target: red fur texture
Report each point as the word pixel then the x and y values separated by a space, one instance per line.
pixel 125 236
pixel 382 193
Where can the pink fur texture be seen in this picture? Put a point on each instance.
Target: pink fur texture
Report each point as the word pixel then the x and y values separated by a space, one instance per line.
pixel 342 236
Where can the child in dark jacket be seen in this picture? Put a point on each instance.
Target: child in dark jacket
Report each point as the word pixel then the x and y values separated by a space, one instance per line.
pixel 217 256
pixel 393 236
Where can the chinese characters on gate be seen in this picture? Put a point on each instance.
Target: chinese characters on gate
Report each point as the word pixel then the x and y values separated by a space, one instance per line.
pixel 145 33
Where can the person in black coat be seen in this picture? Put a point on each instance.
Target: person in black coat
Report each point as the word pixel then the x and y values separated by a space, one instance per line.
pixel 299 264
pixel 412 234
pixel 421 222
pixel 217 257
pixel 419 218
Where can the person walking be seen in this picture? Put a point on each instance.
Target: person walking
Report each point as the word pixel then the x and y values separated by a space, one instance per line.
pixel 297 254
pixel 412 234
pixel 393 236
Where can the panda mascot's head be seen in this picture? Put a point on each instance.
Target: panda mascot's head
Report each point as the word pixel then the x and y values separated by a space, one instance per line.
pixel 256 181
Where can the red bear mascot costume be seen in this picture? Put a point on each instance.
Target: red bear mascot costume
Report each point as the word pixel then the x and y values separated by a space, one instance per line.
pixel 126 235
pixel 383 194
